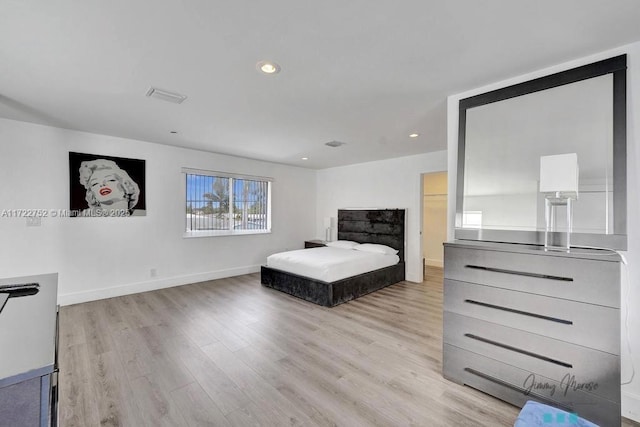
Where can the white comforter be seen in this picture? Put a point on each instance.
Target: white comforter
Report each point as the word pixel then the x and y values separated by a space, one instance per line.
pixel 329 264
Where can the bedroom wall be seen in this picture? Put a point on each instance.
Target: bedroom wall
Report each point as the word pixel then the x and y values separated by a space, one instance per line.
pixel 103 257
pixel 393 183
pixel 631 272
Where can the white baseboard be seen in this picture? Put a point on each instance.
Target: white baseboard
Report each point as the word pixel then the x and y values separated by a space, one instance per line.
pixel 151 285
pixel 631 406
pixel 434 262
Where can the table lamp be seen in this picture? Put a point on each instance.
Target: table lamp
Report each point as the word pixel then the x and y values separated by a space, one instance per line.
pixel 559 183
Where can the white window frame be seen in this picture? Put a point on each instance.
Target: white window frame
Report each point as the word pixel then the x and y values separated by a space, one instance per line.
pixel 472 219
pixel 230 231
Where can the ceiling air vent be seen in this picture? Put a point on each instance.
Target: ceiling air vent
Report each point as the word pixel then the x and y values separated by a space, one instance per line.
pixel 164 95
pixel 335 144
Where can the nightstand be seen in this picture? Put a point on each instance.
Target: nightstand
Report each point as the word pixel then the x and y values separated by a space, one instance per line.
pixel 314 244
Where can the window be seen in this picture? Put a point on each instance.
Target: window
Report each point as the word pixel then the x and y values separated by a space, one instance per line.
pixel 221 204
pixel 472 219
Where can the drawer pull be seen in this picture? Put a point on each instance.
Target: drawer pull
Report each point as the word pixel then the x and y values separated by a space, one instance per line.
pixel 519 350
pixel 520 273
pixel 519 389
pixel 525 313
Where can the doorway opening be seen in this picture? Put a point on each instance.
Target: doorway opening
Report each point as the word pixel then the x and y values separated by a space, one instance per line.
pixel 434 222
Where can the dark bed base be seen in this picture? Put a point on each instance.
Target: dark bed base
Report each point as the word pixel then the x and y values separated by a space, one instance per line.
pixel 334 293
pixel 382 226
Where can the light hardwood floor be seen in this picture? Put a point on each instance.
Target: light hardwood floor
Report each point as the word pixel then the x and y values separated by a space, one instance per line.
pixel 232 353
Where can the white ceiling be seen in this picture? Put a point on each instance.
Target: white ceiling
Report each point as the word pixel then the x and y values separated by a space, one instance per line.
pixel 364 72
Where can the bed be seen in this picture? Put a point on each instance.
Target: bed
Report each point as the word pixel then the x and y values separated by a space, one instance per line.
pixel 376 226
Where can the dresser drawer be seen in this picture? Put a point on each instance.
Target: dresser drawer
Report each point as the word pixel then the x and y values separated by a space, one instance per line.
pixel 587 325
pixel 575 279
pixel 546 356
pixel 516 386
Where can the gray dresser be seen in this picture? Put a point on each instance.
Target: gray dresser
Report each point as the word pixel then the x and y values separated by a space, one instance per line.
pixel 28 343
pixel 524 324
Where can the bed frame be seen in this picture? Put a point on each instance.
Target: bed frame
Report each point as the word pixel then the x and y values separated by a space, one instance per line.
pixel 382 226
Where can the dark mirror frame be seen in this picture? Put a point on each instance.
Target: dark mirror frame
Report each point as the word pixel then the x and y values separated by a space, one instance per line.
pixel 617 66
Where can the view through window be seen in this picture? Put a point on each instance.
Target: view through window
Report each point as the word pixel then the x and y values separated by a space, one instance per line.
pixel 225 203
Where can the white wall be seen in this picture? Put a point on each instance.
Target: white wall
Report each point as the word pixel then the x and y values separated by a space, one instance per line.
pixel 631 281
pixel 103 257
pixel 393 183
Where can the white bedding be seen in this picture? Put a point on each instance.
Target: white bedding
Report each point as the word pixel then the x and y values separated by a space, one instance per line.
pixel 329 264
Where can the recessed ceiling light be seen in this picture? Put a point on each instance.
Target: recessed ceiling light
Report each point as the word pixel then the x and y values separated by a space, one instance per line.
pixel 268 67
pixel 305 158
pixel 414 135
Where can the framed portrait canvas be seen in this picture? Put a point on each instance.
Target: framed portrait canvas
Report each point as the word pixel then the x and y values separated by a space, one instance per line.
pixel 106 186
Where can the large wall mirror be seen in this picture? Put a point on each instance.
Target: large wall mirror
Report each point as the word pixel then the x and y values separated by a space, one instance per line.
pixel 504 133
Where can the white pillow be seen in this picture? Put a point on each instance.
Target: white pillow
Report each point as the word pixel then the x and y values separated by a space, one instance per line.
pixel 375 248
pixel 345 244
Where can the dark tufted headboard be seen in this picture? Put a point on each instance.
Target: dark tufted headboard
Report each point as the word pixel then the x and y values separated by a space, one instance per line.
pixel 382 226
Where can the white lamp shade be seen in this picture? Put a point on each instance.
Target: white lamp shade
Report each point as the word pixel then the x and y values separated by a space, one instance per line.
pixel 559 173
pixel 327 222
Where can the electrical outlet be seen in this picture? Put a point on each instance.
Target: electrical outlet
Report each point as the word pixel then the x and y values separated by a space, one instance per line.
pixel 34 221
pixel 153 272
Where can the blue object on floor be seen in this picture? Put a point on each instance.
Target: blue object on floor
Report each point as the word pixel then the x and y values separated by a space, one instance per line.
pixel 534 414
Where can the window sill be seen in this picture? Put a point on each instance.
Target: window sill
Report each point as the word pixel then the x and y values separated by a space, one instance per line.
pixel 218 233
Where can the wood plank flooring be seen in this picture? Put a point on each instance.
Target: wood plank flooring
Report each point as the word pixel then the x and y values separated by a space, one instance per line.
pixel 232 353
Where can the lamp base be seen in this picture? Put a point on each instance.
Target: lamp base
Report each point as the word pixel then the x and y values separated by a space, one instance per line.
pixel 557 241
pixel 554 238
